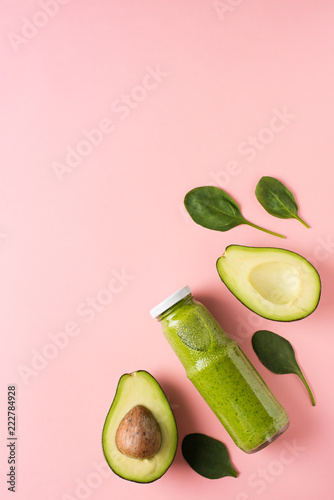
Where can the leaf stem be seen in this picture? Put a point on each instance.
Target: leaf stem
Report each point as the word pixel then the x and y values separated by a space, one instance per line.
pixel 265 230
pixel 233 472
pixel 307 387
pixel 303 222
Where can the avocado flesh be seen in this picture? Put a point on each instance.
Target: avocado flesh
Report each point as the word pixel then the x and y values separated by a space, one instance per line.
pixel 140 388
pixel 274 283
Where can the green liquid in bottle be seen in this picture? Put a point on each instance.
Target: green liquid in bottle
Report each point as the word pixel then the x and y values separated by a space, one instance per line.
pixel 222 373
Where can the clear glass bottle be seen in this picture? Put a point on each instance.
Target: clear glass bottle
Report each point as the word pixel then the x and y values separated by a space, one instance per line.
pixel 221 372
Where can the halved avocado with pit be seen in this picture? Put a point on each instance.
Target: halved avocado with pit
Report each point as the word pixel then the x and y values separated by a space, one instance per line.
pixel 139 436
pixel 275 283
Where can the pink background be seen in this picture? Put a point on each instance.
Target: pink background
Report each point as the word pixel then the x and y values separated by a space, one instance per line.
pixel 218 77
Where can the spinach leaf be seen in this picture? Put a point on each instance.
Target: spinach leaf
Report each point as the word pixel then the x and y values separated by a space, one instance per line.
pixel 213 208
pixel 207 456
pixel 277 354
pixel 277 199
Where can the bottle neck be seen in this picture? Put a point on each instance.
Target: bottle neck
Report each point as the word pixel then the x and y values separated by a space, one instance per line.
pixel 189 299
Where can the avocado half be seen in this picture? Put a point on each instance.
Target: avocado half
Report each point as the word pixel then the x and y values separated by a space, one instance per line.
pixel 137 390
pixel 273 282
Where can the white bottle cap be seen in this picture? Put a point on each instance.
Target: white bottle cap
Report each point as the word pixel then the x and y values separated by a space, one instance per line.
pixel 170 301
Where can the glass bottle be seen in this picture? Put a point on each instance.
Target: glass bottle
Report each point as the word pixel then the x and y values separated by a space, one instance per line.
pixel 221 372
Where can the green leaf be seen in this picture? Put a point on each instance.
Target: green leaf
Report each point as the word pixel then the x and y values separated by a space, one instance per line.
pixel 207 456
pixel 276 199
pixel 277 354
pixel 213 208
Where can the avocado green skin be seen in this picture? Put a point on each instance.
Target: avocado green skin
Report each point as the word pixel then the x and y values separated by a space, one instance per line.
pixel 248 307
pixel 106 420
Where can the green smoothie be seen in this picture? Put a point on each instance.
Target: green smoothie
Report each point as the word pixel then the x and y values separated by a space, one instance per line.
pixel 221 372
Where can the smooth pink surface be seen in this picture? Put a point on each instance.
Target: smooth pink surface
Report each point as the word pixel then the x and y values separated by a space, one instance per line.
pixel 219 74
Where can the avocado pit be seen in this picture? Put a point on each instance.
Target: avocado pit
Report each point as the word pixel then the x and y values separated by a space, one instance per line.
pixel 138 435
